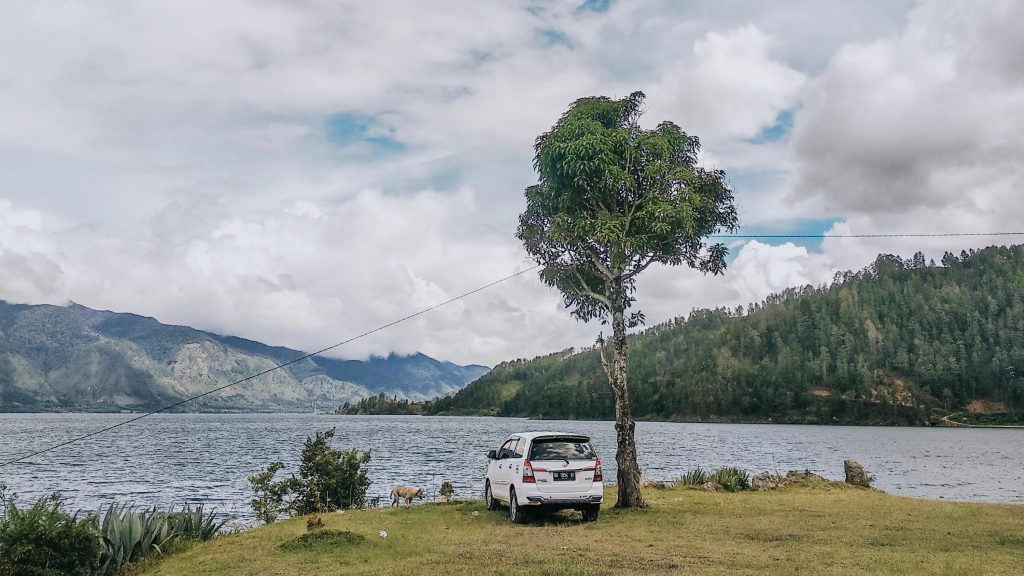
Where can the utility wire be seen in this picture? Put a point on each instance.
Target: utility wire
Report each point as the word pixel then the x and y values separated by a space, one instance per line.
pixel 267 371
pixel 938 235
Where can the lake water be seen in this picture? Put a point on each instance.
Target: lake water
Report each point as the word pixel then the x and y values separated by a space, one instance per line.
pixel 175 458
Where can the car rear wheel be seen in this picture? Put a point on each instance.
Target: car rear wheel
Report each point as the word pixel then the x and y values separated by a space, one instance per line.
pixel 515 512
pixel 489 499
pixel 590 512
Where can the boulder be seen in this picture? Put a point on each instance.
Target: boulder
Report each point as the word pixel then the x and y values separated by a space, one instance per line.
pixel 713 487
pixel 802 476
pixel 856 475
pixel 765 481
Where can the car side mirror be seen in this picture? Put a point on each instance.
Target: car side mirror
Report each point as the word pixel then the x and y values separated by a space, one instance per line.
pixel 492 454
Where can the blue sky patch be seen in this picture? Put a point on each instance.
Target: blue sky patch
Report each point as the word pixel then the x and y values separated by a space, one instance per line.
pixel 549 37
pixel 346 129
pixel 789 231
pixel 596 5
pixel 780 130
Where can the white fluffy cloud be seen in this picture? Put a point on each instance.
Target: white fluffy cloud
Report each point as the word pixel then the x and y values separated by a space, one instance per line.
pixel 299 172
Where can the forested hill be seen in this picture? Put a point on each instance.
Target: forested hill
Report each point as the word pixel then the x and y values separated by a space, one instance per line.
pixel 899 342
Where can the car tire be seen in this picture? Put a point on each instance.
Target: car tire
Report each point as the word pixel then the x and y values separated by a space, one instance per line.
pixel 489 499
pixel 590 512
pixel 515 511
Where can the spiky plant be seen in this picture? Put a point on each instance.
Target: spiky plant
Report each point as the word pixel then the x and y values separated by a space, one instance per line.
pixel 130 534
pixel 732 479
pixel 195 524
pixel 696 477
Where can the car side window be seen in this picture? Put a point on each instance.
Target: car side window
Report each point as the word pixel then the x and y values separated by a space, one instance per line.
pixel 517 448
pixel 505 450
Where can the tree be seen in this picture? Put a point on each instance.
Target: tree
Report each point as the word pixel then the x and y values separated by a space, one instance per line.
pixel 612 199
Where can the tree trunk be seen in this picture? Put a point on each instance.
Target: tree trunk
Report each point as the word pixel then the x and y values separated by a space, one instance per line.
pixel 625 457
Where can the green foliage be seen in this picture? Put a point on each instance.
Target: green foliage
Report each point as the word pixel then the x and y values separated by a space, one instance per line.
pixel 696 477
pixel 324 539
pixel 888 345
pixel 447 490
pixel 732 479
pixel 43 540
pixel 270 501
pixel 130 534
pixel 328 480
pixel 613 198
pixel 382 404
pixel 195 524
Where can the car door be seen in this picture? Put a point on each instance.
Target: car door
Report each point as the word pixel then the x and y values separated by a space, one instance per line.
pixel 501 477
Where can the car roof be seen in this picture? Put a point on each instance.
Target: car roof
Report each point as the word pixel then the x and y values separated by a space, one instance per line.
pixel 532 435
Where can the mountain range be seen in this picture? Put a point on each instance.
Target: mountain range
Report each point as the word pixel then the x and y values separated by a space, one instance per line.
pixel 59 358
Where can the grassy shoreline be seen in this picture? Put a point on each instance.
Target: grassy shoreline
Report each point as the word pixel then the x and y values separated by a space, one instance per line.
pixel 826 528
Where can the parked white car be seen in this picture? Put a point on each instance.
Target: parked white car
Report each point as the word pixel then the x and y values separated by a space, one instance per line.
pixel 544 470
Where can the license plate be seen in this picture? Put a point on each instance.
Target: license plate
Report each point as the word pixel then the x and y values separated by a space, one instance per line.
pixel 557 476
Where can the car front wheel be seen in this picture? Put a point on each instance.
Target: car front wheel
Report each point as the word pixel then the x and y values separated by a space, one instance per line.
pixel 489 499
pixel 515 512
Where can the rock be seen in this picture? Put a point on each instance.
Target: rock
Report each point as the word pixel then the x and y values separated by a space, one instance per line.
pixel 765 481
pixel 856 475
pixel 713 487
pixel 802 476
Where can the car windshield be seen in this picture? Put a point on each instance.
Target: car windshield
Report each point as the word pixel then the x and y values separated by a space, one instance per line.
pixel 562 449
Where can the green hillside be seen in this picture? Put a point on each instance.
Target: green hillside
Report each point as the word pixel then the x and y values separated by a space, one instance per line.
pixel 899 342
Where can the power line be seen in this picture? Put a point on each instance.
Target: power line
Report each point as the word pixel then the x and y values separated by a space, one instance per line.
pixel 267 371
pixel 937 235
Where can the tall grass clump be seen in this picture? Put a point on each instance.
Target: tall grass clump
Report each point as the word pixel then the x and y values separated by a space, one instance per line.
pixel 195 524
pixel 696 477
pixel 732 479
pixel 44 540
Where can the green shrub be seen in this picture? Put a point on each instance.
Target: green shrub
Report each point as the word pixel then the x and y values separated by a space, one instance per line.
pixel 194 524
pixel 322 539
pixel 130 535
pixel 328 480
pixel 732 479
pixel 43 540
pixel 696 477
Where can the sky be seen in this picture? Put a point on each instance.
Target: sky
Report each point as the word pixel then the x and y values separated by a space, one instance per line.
pixel 297 172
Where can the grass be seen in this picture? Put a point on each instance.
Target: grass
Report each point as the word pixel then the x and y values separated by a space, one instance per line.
pixel 804 529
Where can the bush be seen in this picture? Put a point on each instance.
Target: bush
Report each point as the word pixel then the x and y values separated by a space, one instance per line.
pixel 322 540
pixel 447 491
pixel 328 480
pixel 314 522
pixel 732 479
pixel 696 477
pixel 46 541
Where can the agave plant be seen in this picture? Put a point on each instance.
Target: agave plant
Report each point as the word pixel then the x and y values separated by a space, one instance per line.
pixel 130 534
pixel 195 524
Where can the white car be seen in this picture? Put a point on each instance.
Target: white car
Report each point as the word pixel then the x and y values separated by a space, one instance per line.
pixel 545 470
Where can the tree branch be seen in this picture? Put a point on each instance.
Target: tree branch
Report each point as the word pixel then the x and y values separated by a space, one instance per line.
pixel 588 291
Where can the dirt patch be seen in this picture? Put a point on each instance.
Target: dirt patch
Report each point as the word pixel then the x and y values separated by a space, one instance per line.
pixel 821 392
pixel 987 407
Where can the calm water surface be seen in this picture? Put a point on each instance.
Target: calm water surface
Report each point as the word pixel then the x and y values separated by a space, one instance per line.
pixel 170 459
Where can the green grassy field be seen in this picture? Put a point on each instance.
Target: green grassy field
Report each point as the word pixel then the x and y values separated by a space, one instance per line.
pixel 824 529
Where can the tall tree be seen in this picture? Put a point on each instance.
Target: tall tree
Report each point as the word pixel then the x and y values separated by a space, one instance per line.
pixel 612 199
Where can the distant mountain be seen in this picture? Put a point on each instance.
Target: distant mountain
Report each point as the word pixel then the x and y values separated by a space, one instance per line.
pixel 76 358
pixel 900 342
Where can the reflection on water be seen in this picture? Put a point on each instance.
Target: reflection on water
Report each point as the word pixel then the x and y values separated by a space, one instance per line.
pixel 175 458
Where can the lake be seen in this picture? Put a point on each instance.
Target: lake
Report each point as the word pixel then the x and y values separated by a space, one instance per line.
pixel 169 459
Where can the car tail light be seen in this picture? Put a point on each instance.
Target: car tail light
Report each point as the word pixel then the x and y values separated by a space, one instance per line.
pixel 597 471
pixel 528 476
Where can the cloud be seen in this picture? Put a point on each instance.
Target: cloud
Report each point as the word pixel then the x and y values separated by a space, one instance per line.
pixel 926 123
pixel 297 172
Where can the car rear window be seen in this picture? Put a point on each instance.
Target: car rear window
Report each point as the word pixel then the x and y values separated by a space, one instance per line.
pixel 562 449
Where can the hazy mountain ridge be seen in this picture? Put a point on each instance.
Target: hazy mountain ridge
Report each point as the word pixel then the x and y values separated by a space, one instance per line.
pixel 76 358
